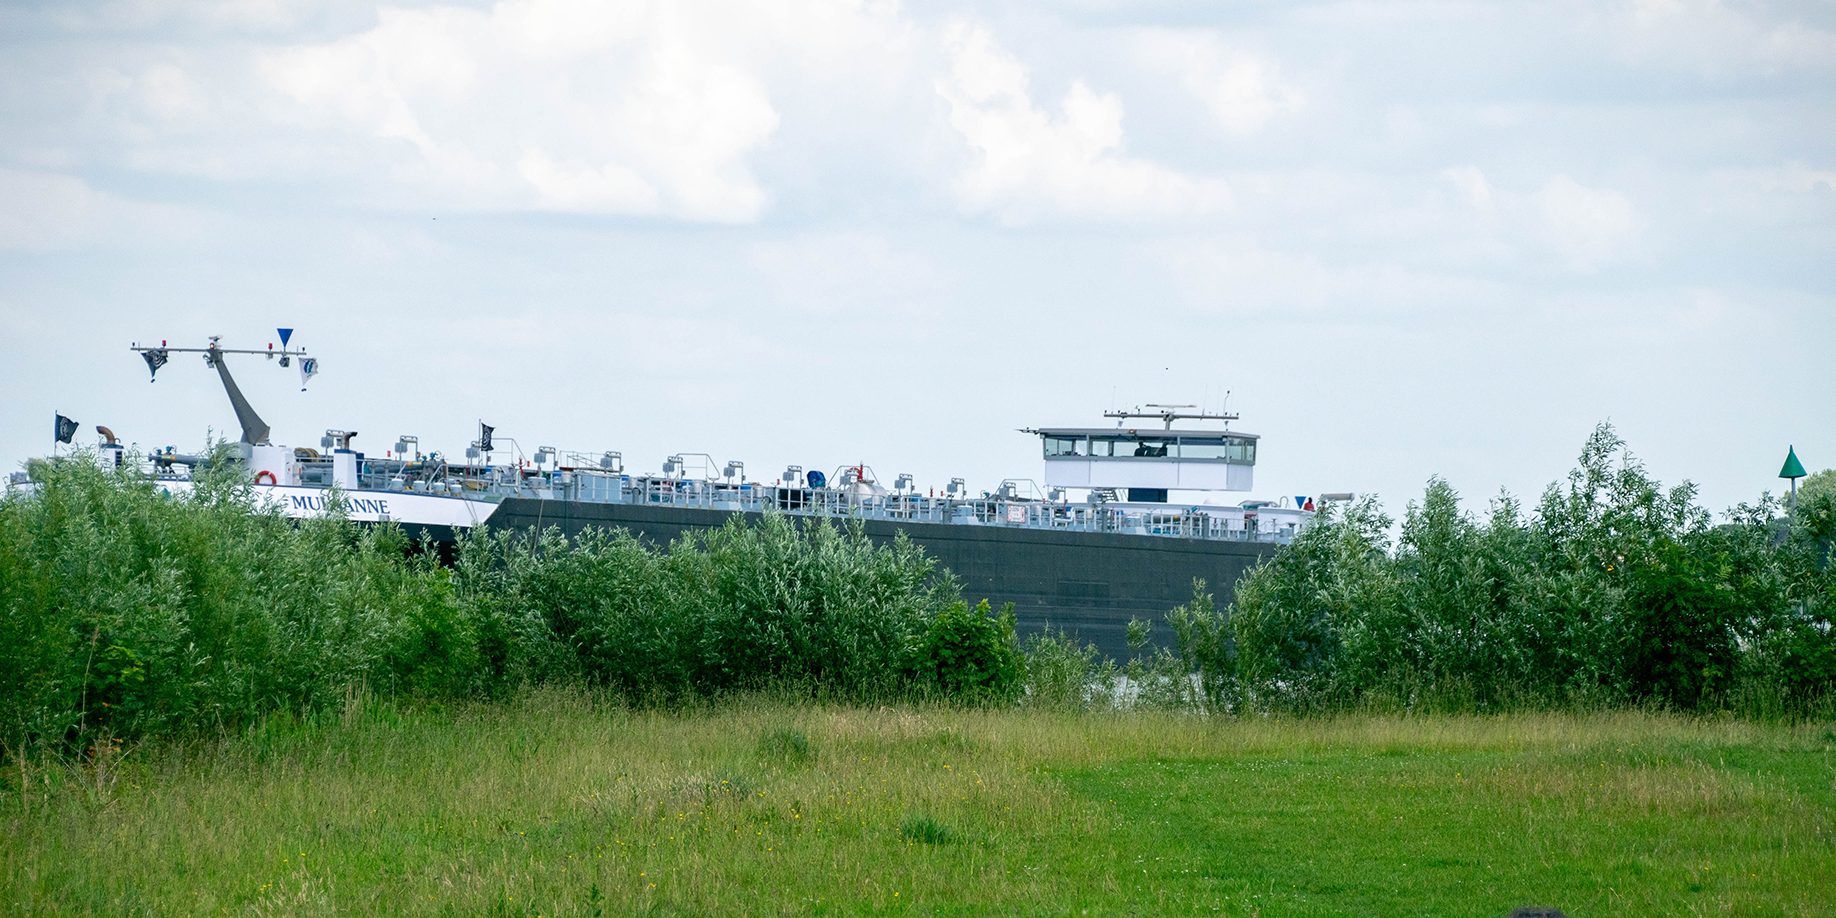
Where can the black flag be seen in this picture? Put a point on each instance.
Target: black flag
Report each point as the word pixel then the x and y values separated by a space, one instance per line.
pixel 155 360
pixel 66 428
pixel 484 436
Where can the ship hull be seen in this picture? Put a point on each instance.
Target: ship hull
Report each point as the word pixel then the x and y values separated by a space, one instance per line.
pixel 433 516
pixel 1088 583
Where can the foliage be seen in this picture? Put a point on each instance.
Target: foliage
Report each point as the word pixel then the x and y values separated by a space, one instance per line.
pixel 1317 612
pixel 926 830
pixel 1614 591
pixel 1207 648
pixel 969 654
pixel 785 746
pixel 1062 674
pixel 126 611
pixel 1680 622
pixel 1199 673
pixel 741 607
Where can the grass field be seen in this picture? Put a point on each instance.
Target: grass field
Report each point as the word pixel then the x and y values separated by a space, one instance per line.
pixel 556 805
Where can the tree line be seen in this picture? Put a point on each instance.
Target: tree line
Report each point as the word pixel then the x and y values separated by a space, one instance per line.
pixel 1612 590
pixel 124 612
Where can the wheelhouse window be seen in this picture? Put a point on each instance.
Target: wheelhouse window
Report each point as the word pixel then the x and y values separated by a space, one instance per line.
pixel 1226 448
pixel 1123 446
pixel 1230 449
pixel 1202 448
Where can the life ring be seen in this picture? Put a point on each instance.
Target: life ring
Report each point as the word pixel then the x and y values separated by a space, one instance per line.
pixel 264 473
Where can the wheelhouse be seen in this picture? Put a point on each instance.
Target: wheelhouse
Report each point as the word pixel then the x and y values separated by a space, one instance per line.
pixel 1148 462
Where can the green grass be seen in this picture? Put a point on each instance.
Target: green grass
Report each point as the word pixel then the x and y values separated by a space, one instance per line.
pixel 557 805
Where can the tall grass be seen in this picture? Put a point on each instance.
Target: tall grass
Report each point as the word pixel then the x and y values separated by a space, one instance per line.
pixel 560 801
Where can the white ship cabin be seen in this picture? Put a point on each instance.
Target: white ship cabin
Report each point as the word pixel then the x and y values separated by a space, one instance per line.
pixel 1148 463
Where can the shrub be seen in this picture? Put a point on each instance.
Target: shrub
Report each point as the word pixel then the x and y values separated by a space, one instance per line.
pixel 742 607
pixel 1061 674
pixel 1312 621
pixel 132 612
pixel 1207 651
pixel 968 654
pixel 1680 622
pixel 1615 590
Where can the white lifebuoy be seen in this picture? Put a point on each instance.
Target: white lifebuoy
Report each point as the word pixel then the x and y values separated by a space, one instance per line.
pixel 264 473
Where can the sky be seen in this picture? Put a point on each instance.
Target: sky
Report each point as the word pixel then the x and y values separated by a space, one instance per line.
pixel 1401 239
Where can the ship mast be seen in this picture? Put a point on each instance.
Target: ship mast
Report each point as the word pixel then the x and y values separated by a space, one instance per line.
pixel 1167 414
pixel 254 429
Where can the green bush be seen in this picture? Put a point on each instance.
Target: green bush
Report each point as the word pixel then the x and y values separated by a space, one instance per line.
pixel 1615 590
pixel 1680 625
pixel 1207 650
pixel 743 607
pixel 1061 674
pixel 1317 618
pixel 926 830
pixel 786 746
pixel 968 654
pixel 815 604
pixel 125 611
pixel 131 612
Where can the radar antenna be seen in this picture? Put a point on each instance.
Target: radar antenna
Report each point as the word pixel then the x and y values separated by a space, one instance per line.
pixel 1167 414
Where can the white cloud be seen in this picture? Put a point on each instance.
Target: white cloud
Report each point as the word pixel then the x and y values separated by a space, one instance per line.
pixel 856 278
pixel 1241 90
pixel 240 15
pixel 1472 185
pixel 542 105
pixel 1794 178
pixel 1243 277
pixel 170 94
pixel 1028 164
pixel 48 212
pixel 1590 227
pixel 1584 228
pixel 1717 39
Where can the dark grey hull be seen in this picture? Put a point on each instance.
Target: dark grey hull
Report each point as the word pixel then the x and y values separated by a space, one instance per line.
pixel 1087 583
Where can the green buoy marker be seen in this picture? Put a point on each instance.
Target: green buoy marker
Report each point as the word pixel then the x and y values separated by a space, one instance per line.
pixel 1794 470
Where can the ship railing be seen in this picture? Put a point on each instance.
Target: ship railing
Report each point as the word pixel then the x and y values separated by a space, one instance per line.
pixel 1191 523
pixel 600 486
pixel 592 485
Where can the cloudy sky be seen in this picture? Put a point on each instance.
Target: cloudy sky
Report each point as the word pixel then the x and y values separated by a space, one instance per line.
pixel 1407 238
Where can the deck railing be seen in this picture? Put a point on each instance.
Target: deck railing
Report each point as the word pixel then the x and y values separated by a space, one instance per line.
pixel 589 485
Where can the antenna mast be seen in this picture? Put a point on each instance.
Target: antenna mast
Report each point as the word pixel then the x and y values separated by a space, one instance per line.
pixel 254 429
pixel 1167 414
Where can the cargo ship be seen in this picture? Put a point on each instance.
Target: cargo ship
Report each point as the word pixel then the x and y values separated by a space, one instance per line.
pixel 1101 541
